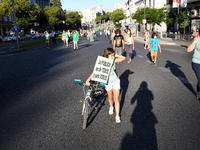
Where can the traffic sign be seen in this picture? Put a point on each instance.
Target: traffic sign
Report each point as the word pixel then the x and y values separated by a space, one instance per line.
pixel 15 28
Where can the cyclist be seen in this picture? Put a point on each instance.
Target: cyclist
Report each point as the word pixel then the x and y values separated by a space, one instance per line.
pixel 113 86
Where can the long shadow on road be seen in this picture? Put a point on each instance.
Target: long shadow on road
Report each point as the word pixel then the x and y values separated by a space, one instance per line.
pixel 124 86
pixel 143 120
pixel 175 69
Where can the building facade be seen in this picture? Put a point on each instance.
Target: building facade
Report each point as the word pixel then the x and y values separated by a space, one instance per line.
pixel 89 15
pixel 194 7
pixel 41 3
pixel 131 7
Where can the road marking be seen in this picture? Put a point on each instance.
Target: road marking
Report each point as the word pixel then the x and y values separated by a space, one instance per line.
pixel 148 61
pixel 140 56
pixel 184 80
pixel 164 69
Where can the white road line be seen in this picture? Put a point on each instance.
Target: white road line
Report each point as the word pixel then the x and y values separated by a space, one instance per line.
pixel 184 80
pixel 164 69
pixel 140 56
pixel 148 61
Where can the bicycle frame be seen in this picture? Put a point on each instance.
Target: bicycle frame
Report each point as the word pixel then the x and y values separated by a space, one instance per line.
pixel 87 96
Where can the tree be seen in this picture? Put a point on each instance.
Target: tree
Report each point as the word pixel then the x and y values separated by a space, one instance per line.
pixel 152 15
pixel 55 3
pixel 74 18
pixel 26 14
pixel 101 17
pixel 118 15
pixel 54 15
pixel 173 17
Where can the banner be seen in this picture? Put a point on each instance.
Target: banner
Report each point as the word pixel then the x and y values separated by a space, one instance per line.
pixel 175 3
pixel 101 70
pixel 183 3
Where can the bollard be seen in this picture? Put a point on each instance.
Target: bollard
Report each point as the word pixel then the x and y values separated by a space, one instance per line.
pixel 161 35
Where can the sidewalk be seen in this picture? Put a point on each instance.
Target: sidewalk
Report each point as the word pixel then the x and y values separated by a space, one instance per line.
pixel 166 41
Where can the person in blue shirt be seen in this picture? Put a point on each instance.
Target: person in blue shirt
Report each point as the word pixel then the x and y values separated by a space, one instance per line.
pixel 154 44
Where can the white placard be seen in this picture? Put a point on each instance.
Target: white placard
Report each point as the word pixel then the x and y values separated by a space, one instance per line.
pixel 101 70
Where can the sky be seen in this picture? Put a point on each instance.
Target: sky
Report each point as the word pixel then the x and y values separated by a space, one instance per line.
pixel 73 5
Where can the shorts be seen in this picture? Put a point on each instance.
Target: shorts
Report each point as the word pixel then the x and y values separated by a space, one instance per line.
pixel 47 39
pixel 113 82
pixel 118 50
pixel 154 53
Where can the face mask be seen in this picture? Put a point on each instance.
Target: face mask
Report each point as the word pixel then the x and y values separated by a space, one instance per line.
pixel 128 32
pixel 112 58
pixel 154 37
pixel 117 34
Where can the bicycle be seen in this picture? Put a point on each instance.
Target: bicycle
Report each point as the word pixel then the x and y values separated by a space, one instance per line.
pixel 95 91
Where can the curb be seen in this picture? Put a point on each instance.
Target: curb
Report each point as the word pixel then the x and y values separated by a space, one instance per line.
pixel 21 49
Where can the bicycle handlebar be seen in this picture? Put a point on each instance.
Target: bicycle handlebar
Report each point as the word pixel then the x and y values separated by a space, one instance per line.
pixel 79 80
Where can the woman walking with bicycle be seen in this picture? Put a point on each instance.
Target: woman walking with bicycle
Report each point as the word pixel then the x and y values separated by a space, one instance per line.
pixel 113 86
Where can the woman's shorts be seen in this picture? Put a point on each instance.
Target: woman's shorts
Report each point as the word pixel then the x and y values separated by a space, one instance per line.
pixel 154 53
pixel 113 82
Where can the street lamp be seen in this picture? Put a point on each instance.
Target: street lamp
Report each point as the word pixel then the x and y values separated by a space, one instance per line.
pixel 15 22
pixel 144 12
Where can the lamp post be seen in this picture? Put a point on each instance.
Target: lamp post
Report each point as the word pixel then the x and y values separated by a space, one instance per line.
pixel 144 11
pixel 15 22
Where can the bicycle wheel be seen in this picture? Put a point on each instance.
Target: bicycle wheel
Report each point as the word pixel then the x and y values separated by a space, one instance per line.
pixel 85 113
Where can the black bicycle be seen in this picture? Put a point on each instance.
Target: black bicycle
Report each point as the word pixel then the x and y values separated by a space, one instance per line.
pixel 95 91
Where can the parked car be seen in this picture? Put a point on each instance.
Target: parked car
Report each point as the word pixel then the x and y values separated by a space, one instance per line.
pixel 57 33
pixel 35 36
pixel 1 38
pixel 8 38
pixel 23 37
pixel 15 37
pixel 28 37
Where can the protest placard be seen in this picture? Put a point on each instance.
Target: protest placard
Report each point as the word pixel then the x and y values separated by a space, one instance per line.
pixel 102 69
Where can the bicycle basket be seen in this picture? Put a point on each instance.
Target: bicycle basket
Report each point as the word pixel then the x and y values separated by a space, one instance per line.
pixel 97 90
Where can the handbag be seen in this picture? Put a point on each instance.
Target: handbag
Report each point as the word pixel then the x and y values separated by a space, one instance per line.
pixel 145 39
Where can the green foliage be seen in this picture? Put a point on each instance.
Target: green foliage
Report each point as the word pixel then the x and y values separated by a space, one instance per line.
pixel 74 17
pixel 182 18
pixel 54 15
pixel 25 13
pixel 101 17
pixel 55 3
pixel 152 15
pixel 118 15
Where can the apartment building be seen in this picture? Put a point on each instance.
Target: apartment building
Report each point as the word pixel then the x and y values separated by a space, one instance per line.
pixel 133 5
pixel 41 3
pixel 89 15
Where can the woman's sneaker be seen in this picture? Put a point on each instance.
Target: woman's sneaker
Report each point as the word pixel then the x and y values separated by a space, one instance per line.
pixel 198 96
pixel 117 119
pixel 111 110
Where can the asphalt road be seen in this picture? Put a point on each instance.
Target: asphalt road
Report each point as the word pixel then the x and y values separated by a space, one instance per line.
pixel 40 104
